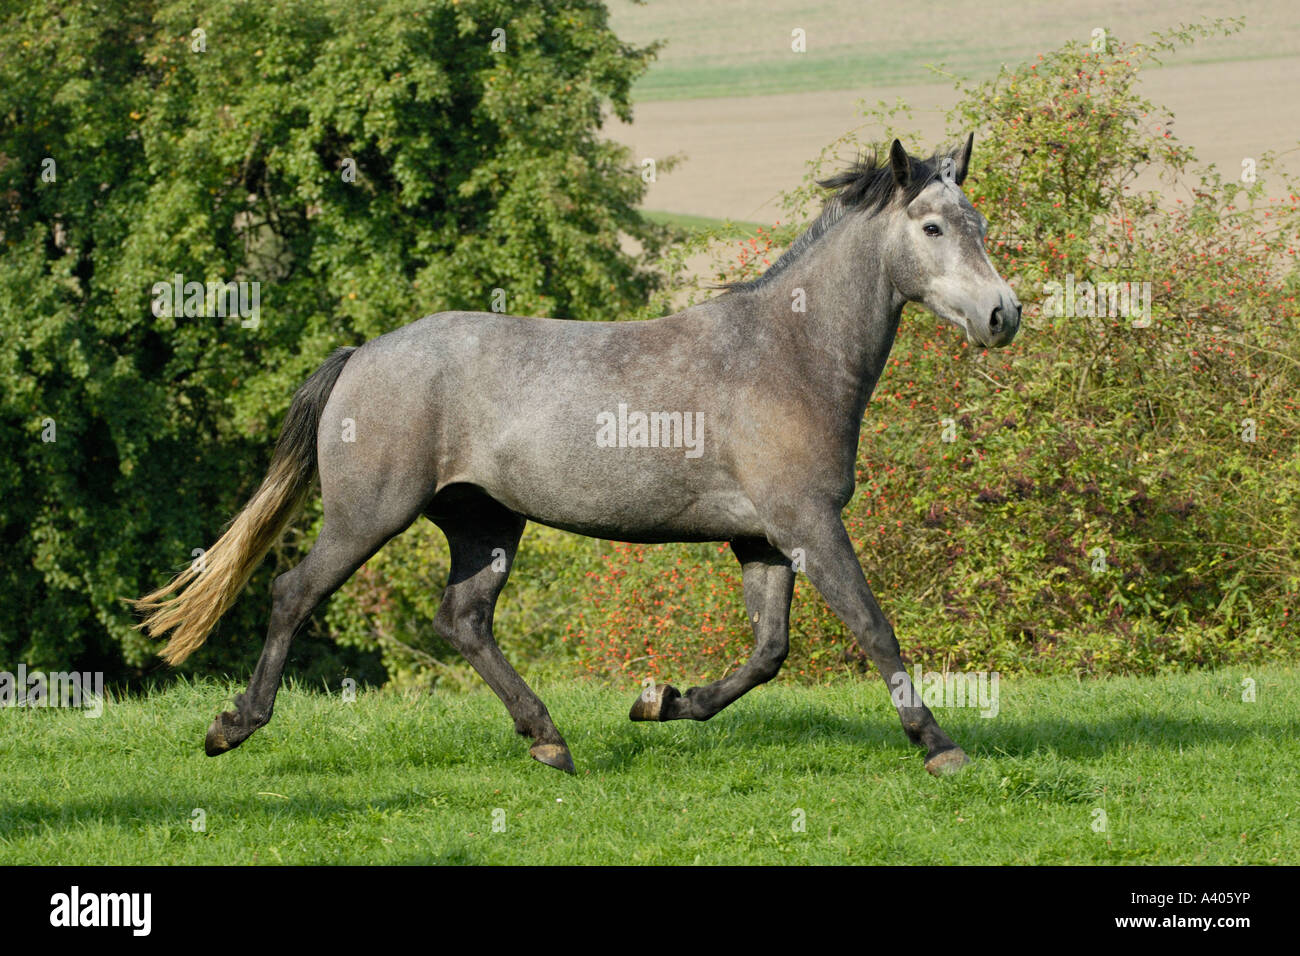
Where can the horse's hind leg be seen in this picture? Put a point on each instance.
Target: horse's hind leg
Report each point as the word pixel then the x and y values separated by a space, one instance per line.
pixel 769 585
pixel 358 522
pixel 477 530
pixel 295 595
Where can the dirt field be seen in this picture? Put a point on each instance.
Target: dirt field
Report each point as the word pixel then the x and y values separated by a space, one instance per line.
pixel 1232 97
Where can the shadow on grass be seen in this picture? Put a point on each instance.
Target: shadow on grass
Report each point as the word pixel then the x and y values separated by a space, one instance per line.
pixel 764 725
pixel 155 807
pixel 617 745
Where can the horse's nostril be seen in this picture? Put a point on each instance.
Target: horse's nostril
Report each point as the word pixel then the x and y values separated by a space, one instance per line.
pixel 995 320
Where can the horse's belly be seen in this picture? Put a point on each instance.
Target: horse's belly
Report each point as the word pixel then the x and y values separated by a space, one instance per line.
pixel 704 516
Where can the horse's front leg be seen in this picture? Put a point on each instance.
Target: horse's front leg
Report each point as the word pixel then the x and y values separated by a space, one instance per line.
pixel 834 570
pixel 769 584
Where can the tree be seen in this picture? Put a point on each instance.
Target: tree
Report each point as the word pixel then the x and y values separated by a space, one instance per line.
pixel 355 164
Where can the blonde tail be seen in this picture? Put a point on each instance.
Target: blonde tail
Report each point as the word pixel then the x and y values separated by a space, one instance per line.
pixel 190 605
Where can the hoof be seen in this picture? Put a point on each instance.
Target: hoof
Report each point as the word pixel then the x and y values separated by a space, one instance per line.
pixel 224 734
pixel 553 755
pixel 651 704
pixel 946 762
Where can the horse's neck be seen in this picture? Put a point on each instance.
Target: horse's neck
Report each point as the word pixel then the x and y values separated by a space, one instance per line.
pixel 852 312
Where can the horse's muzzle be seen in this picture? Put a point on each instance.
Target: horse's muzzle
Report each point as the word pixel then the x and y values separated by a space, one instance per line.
pixel 1003 324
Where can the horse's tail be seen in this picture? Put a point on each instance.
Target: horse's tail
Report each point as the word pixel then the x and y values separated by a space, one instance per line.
pixel 193 601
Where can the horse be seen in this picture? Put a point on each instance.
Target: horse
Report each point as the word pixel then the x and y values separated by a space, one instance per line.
pixel 482 422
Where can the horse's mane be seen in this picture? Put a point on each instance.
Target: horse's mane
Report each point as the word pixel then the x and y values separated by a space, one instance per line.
pixel 867 185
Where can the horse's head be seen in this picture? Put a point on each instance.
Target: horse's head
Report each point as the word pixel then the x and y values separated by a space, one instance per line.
pixel 935 248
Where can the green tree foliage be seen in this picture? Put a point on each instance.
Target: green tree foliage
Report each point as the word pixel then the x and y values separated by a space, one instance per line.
pixel 143 139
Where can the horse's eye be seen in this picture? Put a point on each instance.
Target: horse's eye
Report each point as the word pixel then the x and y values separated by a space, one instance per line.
pixel 932 230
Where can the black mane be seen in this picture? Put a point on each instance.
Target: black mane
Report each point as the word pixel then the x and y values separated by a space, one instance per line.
pixel 867 185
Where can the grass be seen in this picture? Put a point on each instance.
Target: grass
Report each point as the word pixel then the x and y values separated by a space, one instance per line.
pixel 1184 771
pixel 846 69
pixel 692 223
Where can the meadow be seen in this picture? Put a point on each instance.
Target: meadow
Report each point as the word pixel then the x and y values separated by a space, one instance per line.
pixel 1174 769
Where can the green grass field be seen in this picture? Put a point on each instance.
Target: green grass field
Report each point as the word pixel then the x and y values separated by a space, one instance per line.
pixel 1184 770
pixel 688 222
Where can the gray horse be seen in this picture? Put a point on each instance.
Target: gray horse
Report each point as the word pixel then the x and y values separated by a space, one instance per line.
pixel 735 420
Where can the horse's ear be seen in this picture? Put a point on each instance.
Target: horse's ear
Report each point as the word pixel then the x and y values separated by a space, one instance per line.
pixel 961 159
pixel 900 163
